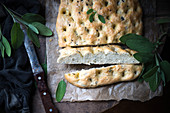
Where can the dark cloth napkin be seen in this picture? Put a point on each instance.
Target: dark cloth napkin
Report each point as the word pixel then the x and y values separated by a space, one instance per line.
pixel 16 80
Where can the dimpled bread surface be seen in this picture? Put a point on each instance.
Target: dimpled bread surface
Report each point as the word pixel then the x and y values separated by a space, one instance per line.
pixel 103 76
pixel 75 29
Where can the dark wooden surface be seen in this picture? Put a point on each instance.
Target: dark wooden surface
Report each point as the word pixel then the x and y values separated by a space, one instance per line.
pixel 155 105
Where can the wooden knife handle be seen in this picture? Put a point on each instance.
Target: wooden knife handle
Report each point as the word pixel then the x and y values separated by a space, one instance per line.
pixel 44 93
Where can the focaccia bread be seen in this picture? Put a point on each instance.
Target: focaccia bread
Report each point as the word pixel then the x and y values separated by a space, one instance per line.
pixel 103 76
pixel 109 54
pixel 74 28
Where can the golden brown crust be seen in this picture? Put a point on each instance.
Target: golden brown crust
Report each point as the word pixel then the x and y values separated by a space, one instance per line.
pixel 103 76
pixel 74 29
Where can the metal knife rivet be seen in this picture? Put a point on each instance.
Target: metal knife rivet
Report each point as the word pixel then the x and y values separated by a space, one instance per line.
pixel 39 78
pixel 44 93
pixel 50 110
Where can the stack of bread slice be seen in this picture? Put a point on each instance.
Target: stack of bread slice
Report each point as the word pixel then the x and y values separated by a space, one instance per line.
pixel 85 42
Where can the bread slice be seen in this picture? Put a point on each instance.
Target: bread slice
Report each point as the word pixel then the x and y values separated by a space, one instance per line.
pixel 110 54
pixel 75 29
pixel 103 76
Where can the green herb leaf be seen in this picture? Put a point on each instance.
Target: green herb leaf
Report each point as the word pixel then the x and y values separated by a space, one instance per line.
pixel 24 22
pixel 30 18
pixel 15 16
pixel 89 11
pixel 157 60
pixel 33 37
pixel 163 77
pixel 101 18
pixel 91 18
pixel 140 79
pixel 61 89
pixel 144 57
pixel 140 45
pixel 154 82
pixel 148 66
pixel 2 48
pixel 126 37
pixel 44 66
pixel 33 28
pixel 157 76
pixel 165 66
pixel 7 46
pixel 17 36
pixel 163 20
pixel 150 72
pixel 43 30
pixel 12 15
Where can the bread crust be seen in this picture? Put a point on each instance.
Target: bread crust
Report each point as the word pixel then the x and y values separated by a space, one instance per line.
pixel 103 76
pixel 74 28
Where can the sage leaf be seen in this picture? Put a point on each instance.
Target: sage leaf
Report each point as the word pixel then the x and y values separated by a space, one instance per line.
pixel 15 16
pixel 17 36
pixel 101 18
pixel 165 66
pixel 44 66
pixel 7 46
pixel 30 18
pixel 163 20
pixel 43 30
pixel 150 72
pixel 61 89
pixel 91 18
pixel 33 37
pixel 126 37
pixel 140 45
pixel 33 28
pixel 2 48
pixel 140 79
pixel 154 82
pixel 149 65
pixel 23 21
pixel 89 11
pixel 143 57
pixel 157 77
pixel 157 60
pixel 163 77
pixel 12 15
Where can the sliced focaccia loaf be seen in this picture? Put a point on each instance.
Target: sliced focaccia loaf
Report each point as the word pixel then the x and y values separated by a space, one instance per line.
pixel 103 76
pixel 110 54
pixel 75 29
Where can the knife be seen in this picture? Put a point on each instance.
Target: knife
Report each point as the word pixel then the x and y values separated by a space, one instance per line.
pixel 39 76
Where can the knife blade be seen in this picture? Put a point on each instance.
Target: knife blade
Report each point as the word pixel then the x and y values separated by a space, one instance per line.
pixel 39 76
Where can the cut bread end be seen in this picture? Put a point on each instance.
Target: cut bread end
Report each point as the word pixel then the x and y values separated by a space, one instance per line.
pixel 112 54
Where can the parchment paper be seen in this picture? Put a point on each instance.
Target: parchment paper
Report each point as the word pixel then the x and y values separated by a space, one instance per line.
pixel 132 90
